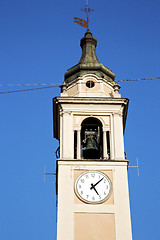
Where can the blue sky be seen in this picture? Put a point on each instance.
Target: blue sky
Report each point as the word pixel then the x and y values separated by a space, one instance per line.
pixel 38 43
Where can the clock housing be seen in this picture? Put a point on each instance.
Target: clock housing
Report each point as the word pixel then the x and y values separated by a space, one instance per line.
pixel 93 187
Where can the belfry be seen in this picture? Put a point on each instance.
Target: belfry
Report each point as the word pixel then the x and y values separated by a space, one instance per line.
pixel 92 182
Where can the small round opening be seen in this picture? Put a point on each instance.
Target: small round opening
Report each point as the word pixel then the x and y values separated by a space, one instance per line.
pixel 90 84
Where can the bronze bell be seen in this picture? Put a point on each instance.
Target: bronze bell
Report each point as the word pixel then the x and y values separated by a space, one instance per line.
pixel 91 143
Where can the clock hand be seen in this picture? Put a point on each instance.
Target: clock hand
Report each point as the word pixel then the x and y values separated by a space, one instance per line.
pixel 93 187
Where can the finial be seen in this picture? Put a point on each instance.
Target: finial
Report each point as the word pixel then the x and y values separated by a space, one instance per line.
pixel 63 87
pixel 87 10
pixel 81 21
pixel 116 88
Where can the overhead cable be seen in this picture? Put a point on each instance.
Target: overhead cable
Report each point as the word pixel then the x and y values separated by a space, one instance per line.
pixel 51 85
pixel 25 90
pixel 138 79
pixel 29 84
pixel 59 84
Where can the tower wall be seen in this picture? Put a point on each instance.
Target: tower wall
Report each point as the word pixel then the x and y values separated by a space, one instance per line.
pixel 80 221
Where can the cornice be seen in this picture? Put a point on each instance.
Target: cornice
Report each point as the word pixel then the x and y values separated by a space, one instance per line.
pixel 93 100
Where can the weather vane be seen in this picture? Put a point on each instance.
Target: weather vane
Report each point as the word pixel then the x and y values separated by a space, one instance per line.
pixel 83 22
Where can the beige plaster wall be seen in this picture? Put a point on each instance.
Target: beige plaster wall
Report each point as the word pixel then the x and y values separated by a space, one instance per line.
pixel 73 90
pixel 94 226
pixel 108 91
pixel 78 119
pixel 101 87
pixel 70 222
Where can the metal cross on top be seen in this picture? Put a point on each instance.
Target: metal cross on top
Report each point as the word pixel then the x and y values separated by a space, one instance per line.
pixel 87 10
pixel 81 21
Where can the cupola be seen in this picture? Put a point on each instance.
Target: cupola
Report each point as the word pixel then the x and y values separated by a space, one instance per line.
pixel 89 77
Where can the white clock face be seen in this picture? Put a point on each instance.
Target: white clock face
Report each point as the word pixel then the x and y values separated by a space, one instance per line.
pixel 93 187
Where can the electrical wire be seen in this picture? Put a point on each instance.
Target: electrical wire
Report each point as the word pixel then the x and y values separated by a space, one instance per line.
pixel 29 84
pixel 25 90
pixel 138 79
pixel 51 85
pixel 58 84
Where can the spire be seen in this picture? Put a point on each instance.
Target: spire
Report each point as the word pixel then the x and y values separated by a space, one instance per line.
pixel 88 45
pixel 88 62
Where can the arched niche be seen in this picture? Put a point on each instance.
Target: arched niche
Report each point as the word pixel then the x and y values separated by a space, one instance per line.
pixel 91 138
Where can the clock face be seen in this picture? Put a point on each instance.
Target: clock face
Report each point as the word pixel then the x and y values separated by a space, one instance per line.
pixel 93 187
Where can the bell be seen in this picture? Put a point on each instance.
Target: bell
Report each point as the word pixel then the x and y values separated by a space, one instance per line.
pixel 91 143
pixel 91 151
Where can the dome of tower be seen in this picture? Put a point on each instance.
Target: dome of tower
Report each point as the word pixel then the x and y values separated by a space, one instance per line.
pixel 89 63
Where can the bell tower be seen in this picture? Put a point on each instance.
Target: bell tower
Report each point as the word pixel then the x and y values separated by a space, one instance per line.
pixel 89 122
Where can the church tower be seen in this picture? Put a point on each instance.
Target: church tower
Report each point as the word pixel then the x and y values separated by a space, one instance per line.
pixel 89 122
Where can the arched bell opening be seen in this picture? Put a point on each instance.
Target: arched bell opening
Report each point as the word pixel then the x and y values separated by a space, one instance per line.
pixel 91 139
